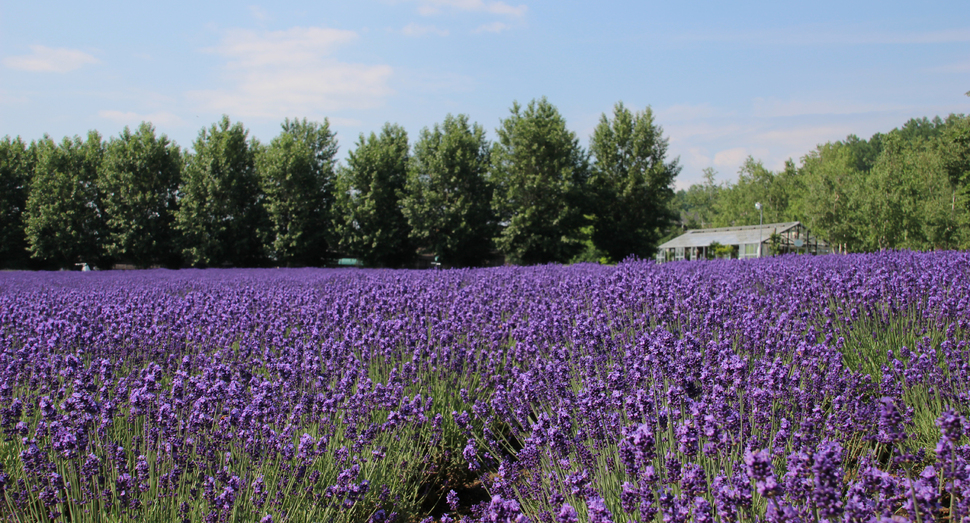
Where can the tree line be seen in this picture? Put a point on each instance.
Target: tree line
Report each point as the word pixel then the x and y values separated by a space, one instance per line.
pixel 534 195
pixel 905 189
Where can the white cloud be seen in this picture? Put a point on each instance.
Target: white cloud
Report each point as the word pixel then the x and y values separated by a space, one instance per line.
pixel 292 73
pixel 295 46
pixel 432 7
pixel 731 157
pixel 773 130
pixel 805 138
pixel 696 157
pixel 158 119
pixel 422 30
pixel 494 27
pixel 259 13
pixel 50 60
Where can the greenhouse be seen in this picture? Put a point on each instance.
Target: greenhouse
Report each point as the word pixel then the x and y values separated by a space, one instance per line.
pixel 744 242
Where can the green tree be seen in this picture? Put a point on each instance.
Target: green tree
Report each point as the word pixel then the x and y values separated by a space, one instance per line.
pixel 296 172
pixel 735 205
pixel 909 198
pixel 632 181
pixel 539 172
pixel 954 148
pixel 16 170
pixel 864 153
pixel 447 199
pixel 834 186
pixel 63 220
pixel 697 205
pixel 221 215
pixel 139 180
pixel 369 220
pixel 887 200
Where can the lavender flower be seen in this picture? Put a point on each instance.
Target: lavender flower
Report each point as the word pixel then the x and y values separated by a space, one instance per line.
pixel 598 513
pixel 567 514
pixel 452 500
pixel 890 422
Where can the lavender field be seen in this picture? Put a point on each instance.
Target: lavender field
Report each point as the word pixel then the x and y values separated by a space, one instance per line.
pixel 798 388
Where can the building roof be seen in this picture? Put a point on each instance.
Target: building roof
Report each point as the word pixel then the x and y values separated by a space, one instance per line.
pixel 729 235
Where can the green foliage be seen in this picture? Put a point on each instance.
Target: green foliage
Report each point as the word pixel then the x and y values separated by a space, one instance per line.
pixel 736 203
pixel 909 200
pixel 774 243
pixel 632 183
pixel 830 179
pixel 696 204
pixel 954 149
pixel 16 170
pixel 540 173
pixel 63 220
pixel 717 251
pixel 221 215
pixel 590 253
pixel 139 180
pixel 369 220
pixel 447 200
pixel 863 153
pixel 296 174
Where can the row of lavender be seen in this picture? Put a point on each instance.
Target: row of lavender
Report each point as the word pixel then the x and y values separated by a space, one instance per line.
pixel 807 388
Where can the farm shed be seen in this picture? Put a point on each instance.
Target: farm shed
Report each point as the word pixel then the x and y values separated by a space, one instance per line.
pixel 742 242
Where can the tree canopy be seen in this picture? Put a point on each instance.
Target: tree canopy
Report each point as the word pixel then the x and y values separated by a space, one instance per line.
pixel 64 220
pixel 539 172
pixel 221 214
pixel 447 198
pixel 632 183
pixel 297 178
pixel 16 165
pixel 369 220
pixel 139 179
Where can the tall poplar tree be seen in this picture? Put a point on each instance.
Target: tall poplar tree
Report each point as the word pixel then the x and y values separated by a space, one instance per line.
pixel 139 181
pixel 64 222
pixel 16 170
pixel 368 219
pixel 296 172
pixel 221 215
pixel 632 182
pixel 539 172
pixel 448 200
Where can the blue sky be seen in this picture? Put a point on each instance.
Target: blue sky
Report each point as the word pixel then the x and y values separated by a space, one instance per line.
pixel 724 79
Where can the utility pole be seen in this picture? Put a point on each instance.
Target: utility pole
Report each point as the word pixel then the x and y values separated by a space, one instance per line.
pixel 761 223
